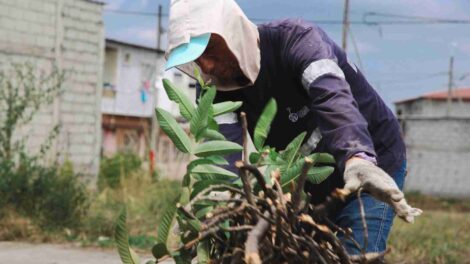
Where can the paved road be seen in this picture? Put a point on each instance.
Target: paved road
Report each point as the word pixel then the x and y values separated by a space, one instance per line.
pixel 21 253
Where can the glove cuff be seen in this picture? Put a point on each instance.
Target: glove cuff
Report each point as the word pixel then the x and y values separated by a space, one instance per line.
pixel 366 156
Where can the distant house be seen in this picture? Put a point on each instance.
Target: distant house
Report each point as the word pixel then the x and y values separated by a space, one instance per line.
pixel 437 136
pixel 70 35
pixel 132 88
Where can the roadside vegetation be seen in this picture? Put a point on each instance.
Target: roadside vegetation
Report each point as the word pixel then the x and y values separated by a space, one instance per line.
pixel 439 235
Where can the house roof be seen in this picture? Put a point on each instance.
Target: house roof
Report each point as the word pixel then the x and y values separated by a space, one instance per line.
pixel 459 93
pixel 133 45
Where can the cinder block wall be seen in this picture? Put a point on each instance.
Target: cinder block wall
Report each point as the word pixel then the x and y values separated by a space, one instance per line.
pixel 69 34
pixel 438 156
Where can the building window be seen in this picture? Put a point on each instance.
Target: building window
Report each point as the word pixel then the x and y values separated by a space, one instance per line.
pixel 127 58
pixel 110 72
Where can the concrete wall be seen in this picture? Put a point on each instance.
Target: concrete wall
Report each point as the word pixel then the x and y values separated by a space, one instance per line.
pixel 438 152
pixel 69 34
pixel 433 108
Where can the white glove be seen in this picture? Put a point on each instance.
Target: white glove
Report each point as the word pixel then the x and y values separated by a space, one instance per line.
pixel 365 174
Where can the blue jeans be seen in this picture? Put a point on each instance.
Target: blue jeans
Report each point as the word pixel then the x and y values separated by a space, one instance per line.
pixel 379 217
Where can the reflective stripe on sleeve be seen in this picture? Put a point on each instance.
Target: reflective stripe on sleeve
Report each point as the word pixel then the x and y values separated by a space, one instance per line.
pixel 228 118
pixel 311 143
pixel 319 68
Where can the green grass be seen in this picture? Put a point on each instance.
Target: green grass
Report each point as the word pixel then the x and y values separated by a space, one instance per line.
pixel 145 201
pixel 435 237
pixel 440 235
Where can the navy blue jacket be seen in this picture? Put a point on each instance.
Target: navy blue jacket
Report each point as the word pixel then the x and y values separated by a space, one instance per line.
pixel 316 87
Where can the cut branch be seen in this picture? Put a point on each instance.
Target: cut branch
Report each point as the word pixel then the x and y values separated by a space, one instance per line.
pixel 252 242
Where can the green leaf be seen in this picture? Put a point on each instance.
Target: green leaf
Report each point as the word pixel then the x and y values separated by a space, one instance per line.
pixel 200 118
pixel 184 197
pixel 254 157
pixel 226 107
pixel 128 256
pixel 211 134
pixel 160 249
pixel 264 124
pixel 196 162
pixel 325 158
pixel 291 174
pixel 292 150
pixel 206 169
pixel 218 160
pixel 199 79
pixel 211 123
pixel 203 211
pixel 182 257
pixel 215 159
pixel 186 182
pixel 188 224
pixel 317 175
pixel 195 225
pixel 216 147
pixel 187 108
pixel 203 252
pixel 173 130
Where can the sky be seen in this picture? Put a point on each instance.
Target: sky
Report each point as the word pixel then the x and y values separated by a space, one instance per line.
pixel 399 60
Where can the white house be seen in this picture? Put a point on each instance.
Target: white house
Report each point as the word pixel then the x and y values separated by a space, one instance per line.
pixel 132 88
pixel 437 137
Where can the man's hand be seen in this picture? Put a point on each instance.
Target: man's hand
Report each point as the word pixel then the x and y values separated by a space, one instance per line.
pixel 365 174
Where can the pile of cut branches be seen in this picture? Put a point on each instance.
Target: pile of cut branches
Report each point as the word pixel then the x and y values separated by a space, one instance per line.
pixel 261 215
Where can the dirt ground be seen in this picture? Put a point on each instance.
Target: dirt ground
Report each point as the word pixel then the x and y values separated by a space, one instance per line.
pixel 20 253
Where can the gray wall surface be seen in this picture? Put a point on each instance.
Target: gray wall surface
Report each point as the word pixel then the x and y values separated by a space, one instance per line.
pixel 433 108
pixel 438 152
pixel 69 34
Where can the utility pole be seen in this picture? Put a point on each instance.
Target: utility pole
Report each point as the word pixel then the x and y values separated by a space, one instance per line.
pixel 345 25
pixel 450 85
pixel 159 26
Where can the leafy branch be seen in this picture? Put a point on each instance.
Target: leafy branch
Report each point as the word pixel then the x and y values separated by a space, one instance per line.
pixel 260 215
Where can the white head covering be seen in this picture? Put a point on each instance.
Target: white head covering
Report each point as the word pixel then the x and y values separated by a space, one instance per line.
pixel 189 18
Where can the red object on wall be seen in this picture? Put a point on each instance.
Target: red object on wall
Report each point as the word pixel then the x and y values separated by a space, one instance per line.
pixel 151 161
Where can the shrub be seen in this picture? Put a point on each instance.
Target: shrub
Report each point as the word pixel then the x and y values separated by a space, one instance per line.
pixel 117 167
pixel 54 198
pixel 143 196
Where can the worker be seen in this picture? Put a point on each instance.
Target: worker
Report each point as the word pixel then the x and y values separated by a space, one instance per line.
pixel 317 89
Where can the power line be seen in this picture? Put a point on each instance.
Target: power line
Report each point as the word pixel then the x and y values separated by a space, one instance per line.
pixel 414 19
pixel 136 13
pixel 413 80
pixel 356 50
pixel 404 20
